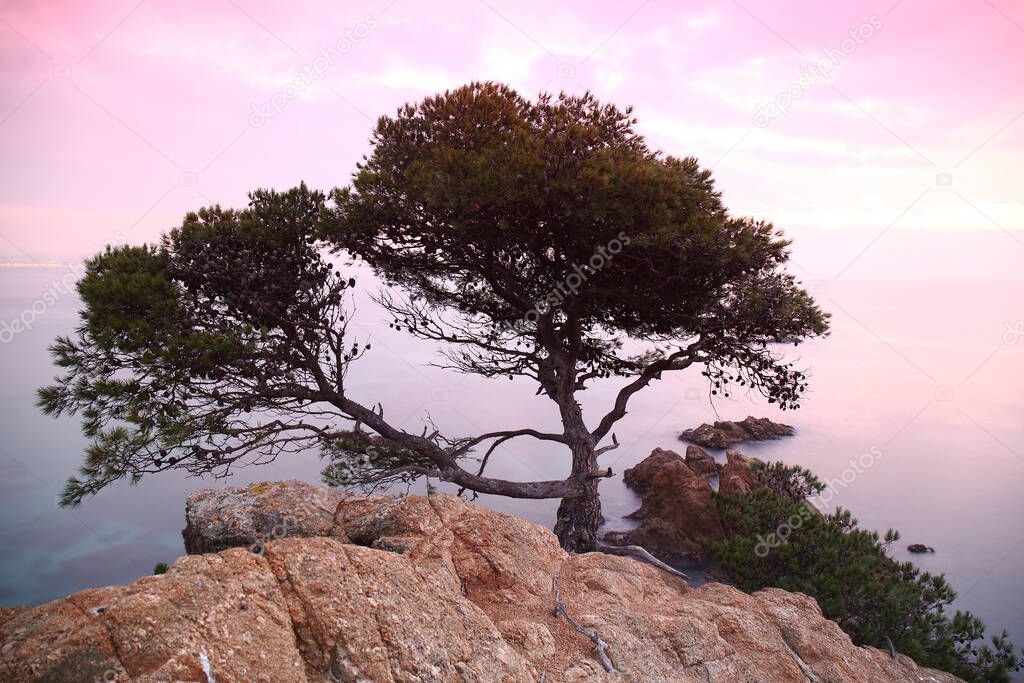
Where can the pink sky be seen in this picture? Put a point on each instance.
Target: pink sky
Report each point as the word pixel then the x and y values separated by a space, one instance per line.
pixel 116 117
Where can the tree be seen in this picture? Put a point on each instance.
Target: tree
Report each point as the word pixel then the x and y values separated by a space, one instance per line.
pixel 534 239
pixel 774 538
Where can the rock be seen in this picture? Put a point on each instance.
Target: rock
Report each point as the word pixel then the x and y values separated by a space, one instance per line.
pixel 216 519
pixel 920 548
pixel 467 597
pixel 639 476
pixel 677 515
pixel 700 461
pixel 725 434
pixel 736 476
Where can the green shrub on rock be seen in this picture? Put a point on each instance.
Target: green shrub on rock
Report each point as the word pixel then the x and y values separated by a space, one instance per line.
pixel 776 538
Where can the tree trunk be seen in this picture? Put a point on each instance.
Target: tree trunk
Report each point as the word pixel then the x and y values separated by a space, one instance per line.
pixel 580 516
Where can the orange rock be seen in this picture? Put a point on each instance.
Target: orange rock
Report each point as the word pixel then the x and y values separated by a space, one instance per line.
pixel 736 476
pixel 463 594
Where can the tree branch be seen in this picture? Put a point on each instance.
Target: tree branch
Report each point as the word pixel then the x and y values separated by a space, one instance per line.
pixel 652 371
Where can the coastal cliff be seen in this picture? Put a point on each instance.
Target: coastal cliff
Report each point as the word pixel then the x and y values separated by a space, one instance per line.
pixel 328 587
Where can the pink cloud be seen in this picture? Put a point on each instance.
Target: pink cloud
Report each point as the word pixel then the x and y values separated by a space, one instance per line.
pixel 123 115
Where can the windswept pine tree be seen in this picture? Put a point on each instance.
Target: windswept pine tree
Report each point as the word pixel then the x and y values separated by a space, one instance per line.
pixel 535 239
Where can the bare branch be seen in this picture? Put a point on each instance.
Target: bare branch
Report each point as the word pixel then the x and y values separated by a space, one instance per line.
pixel 678 360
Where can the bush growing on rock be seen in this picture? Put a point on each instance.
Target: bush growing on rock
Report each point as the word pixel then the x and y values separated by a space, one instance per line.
pixel 775 538
pixel 788 481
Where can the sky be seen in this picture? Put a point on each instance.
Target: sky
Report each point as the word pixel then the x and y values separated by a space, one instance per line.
pixel 846 123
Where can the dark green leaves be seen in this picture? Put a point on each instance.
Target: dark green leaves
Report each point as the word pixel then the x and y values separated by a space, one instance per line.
pixel 206 349
pixel 775 539
pixel 491 207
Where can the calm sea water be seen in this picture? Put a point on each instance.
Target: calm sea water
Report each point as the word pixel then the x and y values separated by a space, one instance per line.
pixel 923 373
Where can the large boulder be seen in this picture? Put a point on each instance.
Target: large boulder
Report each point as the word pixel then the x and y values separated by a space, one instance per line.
pixel 437 589
pixel 640 476
pixel 725 434
pixel 677 514
pixel 243 516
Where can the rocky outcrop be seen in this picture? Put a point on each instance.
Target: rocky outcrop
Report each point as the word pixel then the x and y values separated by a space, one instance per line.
pixel 700 461
pixel 677 513
pixel 736 476
pixel 216 519
pixel 725 434
pixel 425 589
pixel 640 476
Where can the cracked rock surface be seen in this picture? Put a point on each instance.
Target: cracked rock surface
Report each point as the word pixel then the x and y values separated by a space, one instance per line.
pixel 417 589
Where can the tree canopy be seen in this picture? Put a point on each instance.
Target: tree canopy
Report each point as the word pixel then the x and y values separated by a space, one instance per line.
pixel 499 210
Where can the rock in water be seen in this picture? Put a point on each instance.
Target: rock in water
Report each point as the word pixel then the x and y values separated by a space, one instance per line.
pixel 428 589
pixel 920 548
pixel 677 515
pixel 640 476
pixel 700 461
pixel 736 476
pixel 725 434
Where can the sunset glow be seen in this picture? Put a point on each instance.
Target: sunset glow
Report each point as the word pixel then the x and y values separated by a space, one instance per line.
pixel 116 117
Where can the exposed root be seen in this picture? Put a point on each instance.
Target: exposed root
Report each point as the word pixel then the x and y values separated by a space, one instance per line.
pixel 599 645
pixel 804 668
pixel 639 553
pixel 892 651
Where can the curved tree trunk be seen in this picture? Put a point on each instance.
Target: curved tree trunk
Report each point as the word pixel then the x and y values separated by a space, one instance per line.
pixel 580 516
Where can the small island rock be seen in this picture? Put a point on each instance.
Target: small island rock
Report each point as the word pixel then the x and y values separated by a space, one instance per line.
pixel 725 434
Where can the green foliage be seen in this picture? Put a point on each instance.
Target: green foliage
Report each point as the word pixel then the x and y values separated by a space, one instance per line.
pixel 789 481
pixel 480 203
pixel 160 568
pixel 775 538
pixel 358 459
pixel 205 349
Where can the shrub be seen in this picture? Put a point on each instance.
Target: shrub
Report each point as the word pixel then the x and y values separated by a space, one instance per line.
pixel 774 538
